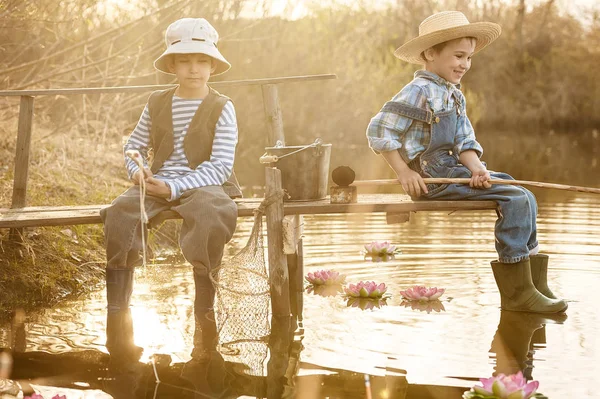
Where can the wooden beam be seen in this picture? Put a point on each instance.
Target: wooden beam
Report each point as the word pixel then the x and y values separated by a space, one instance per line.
pixel 278 267
pixel 146 88
pixel 394 217
pixel 273 115
pixel 35 216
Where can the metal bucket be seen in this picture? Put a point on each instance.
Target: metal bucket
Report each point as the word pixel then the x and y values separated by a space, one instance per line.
pixel 305 171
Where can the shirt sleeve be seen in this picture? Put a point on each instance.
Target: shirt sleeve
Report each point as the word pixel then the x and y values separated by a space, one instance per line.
pixel 465 135
pixel 386 130
pixel 217 170
pixel 139 140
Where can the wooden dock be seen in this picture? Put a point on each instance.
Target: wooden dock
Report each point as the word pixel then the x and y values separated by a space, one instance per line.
pixel 286 293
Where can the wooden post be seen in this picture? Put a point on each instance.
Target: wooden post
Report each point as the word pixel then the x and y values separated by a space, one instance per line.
pixel 273 114
pixel 19 197
pixel 300 279
pixel 280 373
pixel 278 267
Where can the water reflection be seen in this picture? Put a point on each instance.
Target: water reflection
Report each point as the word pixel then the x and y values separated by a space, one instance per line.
pixel 366 303
pixel 428 307
pixel 418 353
pixel 515 339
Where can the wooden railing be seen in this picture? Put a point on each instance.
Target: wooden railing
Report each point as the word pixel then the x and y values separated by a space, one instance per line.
pixel 26 109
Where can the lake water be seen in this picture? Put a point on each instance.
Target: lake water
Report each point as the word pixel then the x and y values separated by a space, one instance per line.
pixel 404 352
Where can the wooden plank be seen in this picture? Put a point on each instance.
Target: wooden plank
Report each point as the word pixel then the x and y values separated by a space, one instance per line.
pixel 367 203
pixel 393 203
pixel 146 88
pixel 273 115
pixel 278 267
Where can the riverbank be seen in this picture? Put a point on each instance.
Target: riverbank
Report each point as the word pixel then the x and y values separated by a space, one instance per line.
pixel 49 264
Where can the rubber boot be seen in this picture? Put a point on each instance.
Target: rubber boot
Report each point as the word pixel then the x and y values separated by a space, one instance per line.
pixel 517 292
pixel 119 324
pixel 119 338
pixel 119 286
pixel 539 274
pixel 205 331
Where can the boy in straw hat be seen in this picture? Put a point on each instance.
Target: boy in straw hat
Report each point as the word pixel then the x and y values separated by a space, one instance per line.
pixel 424 131
pixel 192 131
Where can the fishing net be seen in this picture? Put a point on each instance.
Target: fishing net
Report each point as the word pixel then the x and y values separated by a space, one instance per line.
pixel 242 301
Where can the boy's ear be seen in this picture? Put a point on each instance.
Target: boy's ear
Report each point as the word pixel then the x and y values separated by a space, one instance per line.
pixel 213 65
pixel 429 53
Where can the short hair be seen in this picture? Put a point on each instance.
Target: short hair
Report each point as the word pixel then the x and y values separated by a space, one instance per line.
pixel 440 46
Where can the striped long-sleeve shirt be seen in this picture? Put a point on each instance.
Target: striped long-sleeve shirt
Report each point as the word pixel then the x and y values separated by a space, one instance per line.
pixel 389 131
pixel 175 171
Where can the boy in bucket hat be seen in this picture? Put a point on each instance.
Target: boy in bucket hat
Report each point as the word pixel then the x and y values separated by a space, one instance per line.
pixel 424 131
pixel 192 132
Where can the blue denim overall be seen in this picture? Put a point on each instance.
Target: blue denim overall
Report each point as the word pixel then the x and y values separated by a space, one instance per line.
pixel 515 229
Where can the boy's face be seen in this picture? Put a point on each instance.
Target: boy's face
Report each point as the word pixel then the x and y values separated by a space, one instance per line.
pixel 453 61
pixel 192 70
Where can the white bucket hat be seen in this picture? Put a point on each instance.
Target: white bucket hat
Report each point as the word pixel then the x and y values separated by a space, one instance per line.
pixel 192 36
pixel 444 26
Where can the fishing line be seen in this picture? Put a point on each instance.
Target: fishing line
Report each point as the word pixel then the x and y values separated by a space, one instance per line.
pixel 137 158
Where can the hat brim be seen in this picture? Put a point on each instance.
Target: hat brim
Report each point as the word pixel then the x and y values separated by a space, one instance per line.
pixel 484 32
pixel 162 62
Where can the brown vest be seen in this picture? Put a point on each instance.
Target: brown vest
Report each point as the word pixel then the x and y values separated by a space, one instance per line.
pixel 198 140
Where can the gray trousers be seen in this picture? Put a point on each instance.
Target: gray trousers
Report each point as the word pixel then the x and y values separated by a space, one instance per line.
pixel 209 221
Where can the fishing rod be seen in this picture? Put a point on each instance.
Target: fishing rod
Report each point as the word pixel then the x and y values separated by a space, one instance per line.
pixel 435 180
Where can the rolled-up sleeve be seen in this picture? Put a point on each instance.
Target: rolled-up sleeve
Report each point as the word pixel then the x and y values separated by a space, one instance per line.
pixel 465 135
pixel 386 130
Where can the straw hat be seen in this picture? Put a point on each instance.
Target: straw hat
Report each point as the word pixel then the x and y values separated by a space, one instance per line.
pixel 444 26
pixel 192 36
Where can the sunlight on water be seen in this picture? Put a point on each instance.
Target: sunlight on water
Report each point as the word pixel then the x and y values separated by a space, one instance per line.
pixel 448 346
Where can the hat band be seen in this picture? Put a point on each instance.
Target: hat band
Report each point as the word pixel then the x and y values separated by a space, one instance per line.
pixel 194 39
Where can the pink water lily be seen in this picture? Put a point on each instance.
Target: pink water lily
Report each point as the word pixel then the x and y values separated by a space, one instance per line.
pixel 513 386
pixel 380 251
pixel 422 294
pixel 429 306
pixel 366 303
pixel 38 396
pixel 380 248
pixel 366 289
pixel 325 277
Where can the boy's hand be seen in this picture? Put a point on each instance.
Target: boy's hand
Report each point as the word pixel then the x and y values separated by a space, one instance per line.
pixel 480 178
pixel 412 183
pixel 136 176
pixel 157 188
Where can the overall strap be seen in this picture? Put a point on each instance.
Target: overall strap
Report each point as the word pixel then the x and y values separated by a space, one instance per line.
pixel 408 111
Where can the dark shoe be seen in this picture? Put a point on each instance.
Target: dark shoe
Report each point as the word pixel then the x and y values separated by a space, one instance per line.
pixel 119 286
pixel 539 274
pixel 517 292
pixel 119 338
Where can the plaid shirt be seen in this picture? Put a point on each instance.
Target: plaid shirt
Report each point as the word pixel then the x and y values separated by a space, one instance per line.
pixel 388 131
